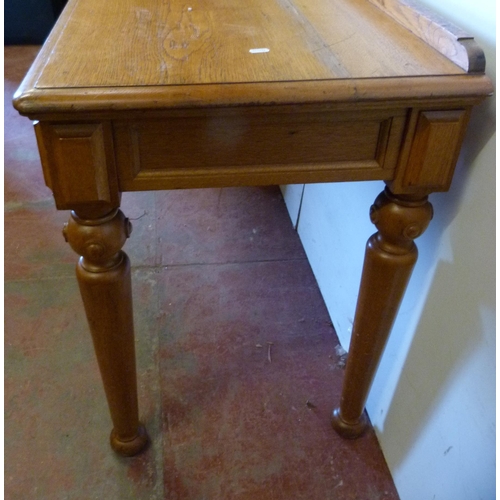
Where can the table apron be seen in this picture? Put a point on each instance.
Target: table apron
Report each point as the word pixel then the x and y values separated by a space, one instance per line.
pixel 89 163
pixel 250 148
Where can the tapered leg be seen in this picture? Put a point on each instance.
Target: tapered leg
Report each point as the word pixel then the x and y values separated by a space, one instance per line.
pixel 389 260
pixel 103 273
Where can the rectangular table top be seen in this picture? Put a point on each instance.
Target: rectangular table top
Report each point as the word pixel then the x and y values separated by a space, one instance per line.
pixel 142 54
pixel 151 42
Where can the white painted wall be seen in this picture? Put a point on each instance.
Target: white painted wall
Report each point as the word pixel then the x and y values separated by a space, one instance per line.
pixel 433 400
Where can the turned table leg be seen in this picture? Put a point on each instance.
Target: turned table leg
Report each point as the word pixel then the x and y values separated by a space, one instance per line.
pixel 103 273
pixel 389 260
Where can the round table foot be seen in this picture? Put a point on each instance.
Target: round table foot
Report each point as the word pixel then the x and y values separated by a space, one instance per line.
pixel 131 447
pixel 349 430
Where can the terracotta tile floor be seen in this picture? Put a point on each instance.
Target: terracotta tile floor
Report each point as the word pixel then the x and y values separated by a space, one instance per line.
pixel 218 273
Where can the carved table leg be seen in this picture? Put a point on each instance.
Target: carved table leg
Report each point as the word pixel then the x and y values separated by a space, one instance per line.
pixel 389 260
pixel 103 273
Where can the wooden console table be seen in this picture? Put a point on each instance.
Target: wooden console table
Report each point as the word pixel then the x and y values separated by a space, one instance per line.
pixel 143 94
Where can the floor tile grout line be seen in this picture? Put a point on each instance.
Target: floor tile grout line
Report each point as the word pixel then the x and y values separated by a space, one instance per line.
pixel 162 415
pixel 141 267
pixel 155 222
pixel 12 207
pixel 231 263
pixel 160 390
pixel 39 278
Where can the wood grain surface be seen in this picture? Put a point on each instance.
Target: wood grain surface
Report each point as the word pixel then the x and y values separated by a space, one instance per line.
pixel 147 43
pixel 448 39
pixel 259 147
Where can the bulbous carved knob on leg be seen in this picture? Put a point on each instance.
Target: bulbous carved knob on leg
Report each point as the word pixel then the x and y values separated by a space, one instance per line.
pixel 98 241
pixel 399 221
pixel 389 260
pixel 103 273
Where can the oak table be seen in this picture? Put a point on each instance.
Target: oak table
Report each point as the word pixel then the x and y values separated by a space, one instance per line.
pixel 135 95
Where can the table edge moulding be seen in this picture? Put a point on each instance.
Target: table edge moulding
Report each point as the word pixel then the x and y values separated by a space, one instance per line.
pixel 345 90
